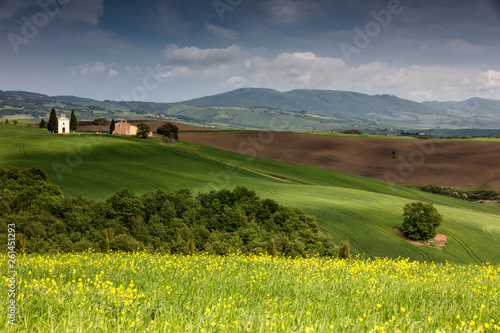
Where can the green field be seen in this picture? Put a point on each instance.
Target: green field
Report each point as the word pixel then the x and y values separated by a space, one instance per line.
pixel 362 209
pixel 143 292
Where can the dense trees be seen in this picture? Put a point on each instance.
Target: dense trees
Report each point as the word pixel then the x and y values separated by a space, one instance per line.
pixel 52 126
pixel 420 220
pixel 73 122
pixel 218 222
pixel 143 130
pixel 169 130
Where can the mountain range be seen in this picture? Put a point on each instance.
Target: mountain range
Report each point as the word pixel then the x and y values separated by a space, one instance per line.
pixel 257 108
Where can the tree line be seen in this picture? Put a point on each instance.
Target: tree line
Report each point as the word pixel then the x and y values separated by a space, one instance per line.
pixel 168 130
pixel 217 222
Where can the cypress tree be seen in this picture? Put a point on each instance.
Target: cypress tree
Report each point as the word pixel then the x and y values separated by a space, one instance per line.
pixel 42 124
pixel 53 123
pixel 344 252
pixel 112 126
pixel 73 123
pixel 104 243
pixel 190 247
pixel 271 248
pixel 20 243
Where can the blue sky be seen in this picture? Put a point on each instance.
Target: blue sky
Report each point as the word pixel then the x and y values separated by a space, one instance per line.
pixel 166 51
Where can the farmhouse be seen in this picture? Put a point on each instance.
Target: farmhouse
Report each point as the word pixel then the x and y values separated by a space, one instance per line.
pixel 63 124
pixel 123 127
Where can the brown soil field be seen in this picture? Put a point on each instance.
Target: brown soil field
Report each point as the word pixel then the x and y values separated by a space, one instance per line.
pixel 439 241
pixel 154 124
pixel 455 164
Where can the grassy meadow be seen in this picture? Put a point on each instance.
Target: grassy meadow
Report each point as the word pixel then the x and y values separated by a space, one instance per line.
pixel 144 292
pixel 346 206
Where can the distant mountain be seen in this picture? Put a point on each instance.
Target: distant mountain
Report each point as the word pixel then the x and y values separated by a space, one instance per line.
pixel 323 102
pixel 25 94
pixel 472 107
pixel 257 108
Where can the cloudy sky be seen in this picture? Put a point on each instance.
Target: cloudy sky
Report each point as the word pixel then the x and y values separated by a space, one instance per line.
pixel 173 50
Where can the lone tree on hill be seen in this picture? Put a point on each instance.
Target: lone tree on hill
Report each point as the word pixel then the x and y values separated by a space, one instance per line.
pixel 101 122
pixel 143 130
pixel 420 220
pixel 112 126
pixel 15 121
pixel 169 130
pixel 42 124
pixel 73 123
pixel 53 124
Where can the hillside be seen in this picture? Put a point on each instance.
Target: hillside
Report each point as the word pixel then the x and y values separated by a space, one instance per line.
pixel 324 102
pixel 450 163
pixel 254 108
pixel 363 209
pixel 384 109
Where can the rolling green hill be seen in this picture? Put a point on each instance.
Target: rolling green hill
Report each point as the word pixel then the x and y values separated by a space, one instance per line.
pixel 362 209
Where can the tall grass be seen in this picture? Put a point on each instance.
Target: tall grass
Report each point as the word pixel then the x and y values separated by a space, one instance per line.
pixel 144 292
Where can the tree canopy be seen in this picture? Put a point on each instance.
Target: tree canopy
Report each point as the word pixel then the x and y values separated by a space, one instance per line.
pixel 217 222
pixel 101 122
pixel 42 124
pixel 169 130
pixel 143 130
pixel 112 126
pixel 420 220
pixel 73 123
pixel 53 123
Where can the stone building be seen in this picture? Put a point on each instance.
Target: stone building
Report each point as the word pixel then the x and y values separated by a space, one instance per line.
pixel 123 127
pixel 63 124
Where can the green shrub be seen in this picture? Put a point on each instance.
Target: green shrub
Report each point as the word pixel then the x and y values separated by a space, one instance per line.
pixel 344 252
pixel 420 220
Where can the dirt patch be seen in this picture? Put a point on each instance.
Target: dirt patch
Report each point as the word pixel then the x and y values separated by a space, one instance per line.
pixel 455 164
pixel 437 242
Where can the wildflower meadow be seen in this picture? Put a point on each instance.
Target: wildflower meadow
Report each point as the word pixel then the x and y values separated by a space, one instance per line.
pixel 144 292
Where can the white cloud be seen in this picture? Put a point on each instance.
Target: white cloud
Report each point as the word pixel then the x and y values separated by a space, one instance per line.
pixel 88 69
pixel 113 72
pixel 221 32
pixel 96 68
pixel 463 47
pixel 235 82
pixel 134 70
pixel 196 56
pixel 299 70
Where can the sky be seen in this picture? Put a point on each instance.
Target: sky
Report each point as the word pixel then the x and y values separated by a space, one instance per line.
pixel 170 51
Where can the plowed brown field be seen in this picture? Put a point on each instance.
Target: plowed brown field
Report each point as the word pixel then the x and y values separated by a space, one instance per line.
pixel 456 164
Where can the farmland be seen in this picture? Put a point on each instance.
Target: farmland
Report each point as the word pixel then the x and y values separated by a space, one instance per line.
pixel 450 163
pixel 362 209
